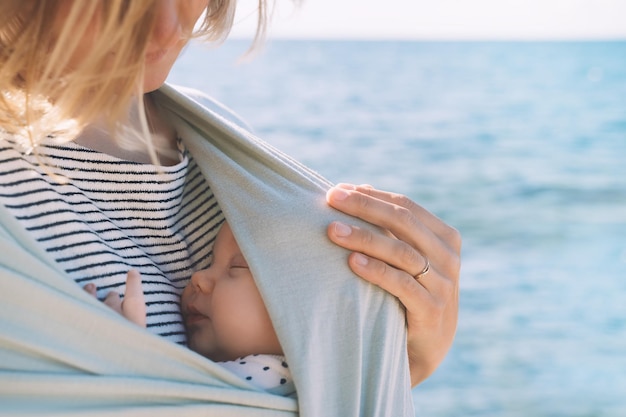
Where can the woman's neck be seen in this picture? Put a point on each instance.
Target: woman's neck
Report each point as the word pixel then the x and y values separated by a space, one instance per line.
pixel 132 146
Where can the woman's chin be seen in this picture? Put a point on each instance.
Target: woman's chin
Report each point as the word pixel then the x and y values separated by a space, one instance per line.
pixel 153 83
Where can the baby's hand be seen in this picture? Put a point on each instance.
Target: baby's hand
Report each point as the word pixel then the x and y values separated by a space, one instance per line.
pixel 133 306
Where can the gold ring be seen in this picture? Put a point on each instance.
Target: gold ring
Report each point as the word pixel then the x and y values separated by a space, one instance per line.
pixel 424 271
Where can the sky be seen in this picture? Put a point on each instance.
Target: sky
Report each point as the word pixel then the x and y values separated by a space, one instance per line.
pixel 441 19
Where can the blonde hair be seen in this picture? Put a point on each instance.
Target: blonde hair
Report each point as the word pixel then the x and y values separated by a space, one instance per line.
pixel 44 92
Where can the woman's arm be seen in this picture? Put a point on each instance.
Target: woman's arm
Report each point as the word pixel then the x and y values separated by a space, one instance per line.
pixel 391 259
pixel 133 305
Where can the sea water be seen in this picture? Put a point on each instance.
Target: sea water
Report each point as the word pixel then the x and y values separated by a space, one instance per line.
pixel 521 146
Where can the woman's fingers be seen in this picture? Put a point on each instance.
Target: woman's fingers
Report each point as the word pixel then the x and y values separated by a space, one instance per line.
pixel 406 220
pixel 433 223
pixel 395 256
pixel 395 281
pixel 392 280
pixel 395 252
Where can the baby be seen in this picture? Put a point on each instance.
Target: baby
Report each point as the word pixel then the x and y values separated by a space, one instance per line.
pixel 225 317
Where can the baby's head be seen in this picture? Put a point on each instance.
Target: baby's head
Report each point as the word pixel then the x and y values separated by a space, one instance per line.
pixel 223 311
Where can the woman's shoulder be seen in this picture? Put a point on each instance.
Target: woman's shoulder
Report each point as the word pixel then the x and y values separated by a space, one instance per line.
pixel 213 105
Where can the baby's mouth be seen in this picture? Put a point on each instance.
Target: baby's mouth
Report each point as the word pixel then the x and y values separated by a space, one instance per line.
pixel 193 316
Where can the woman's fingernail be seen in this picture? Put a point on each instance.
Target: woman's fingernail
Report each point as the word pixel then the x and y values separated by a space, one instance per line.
pixel 342 230
pixel 89 287
pixel 346 186
pixel 360 259
pixel 338 194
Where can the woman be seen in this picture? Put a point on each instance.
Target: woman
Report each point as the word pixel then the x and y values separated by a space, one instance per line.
pixel 102 173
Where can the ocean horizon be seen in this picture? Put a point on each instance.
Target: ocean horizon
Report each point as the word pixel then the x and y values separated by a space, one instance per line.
pixel 521 145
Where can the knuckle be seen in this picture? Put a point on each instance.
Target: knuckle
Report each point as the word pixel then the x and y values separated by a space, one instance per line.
pixel 405 216
pixel 376 272
pixel 365 237
pixel 402 200
pixel 405 288
pixel 362 201
pixel 406 202
pixel 383 271
pixel 407 255
pixel 410 287
pixel 453 238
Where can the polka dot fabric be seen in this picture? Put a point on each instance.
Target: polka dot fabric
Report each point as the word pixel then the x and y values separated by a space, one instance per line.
pixel 268 372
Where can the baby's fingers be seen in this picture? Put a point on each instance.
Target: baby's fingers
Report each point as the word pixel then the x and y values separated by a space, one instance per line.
pixel 114 301
pixel 134 305
pixel 90 289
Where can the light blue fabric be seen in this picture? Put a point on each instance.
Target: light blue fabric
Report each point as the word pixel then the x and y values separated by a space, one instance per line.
pixel 64 353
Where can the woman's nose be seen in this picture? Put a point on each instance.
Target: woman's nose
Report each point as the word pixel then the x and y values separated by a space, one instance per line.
pixel 203 281
pixel 167 30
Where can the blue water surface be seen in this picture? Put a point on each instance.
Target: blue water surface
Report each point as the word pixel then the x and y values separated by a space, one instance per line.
pixel 521 146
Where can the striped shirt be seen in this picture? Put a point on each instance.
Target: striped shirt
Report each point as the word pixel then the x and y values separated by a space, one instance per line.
pixel 99 216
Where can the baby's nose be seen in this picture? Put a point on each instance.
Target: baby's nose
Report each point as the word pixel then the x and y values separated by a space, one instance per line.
pixel 203 281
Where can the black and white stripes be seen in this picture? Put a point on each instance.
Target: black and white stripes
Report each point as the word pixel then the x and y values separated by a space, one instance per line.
pixel 100 216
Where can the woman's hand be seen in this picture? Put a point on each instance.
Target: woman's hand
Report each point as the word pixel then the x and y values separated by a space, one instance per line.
pixel 395 259
pixel 133 305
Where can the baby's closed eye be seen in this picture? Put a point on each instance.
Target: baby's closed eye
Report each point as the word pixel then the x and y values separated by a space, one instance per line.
pixel 238 261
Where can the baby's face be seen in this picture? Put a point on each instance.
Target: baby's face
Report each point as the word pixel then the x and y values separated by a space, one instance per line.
pixel 223 311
